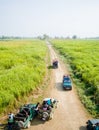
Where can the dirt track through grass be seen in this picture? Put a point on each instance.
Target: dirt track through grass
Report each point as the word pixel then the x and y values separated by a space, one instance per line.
pixel 70 114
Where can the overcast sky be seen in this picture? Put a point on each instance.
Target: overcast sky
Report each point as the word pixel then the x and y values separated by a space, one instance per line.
pixel 52 17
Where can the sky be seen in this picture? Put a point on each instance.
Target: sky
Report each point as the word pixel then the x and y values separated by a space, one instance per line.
pixel 30 18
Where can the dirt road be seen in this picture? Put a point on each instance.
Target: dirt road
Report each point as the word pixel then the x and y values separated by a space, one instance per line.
pixel 70 114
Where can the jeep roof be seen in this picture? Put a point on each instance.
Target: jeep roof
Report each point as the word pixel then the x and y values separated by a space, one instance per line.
pixel 93 121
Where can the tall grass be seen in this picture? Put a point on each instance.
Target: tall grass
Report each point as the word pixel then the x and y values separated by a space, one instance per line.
pixel 22 69
pixel 83 57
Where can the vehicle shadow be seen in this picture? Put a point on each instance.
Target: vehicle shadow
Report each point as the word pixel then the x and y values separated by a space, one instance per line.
pixel 2 126
pixel 82 128
pixel 59 87
pixel 50 67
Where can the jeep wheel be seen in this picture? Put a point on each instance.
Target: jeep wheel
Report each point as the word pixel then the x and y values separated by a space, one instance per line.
pixel 21 124
pixel 29 124
pixel 51 116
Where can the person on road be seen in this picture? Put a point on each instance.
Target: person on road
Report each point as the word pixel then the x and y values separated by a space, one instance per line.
pixel 37 107
pixel 10 120
pixel 50 101
pixel 45 105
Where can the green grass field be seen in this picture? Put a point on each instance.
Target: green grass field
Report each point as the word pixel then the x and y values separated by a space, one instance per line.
pixel 83 57
pixel 22 69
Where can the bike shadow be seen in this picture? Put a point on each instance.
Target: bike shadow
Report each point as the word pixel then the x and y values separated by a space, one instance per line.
pixel 37 121
pixel 50 67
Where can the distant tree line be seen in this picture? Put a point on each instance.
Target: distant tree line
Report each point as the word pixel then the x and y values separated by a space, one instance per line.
pixel 44 37
pixel 9 37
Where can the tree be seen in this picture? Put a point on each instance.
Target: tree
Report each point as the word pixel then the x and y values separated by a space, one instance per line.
pixel 74 37
pixel 45 36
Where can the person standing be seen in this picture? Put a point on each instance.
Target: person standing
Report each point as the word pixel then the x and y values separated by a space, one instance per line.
pixel 10 120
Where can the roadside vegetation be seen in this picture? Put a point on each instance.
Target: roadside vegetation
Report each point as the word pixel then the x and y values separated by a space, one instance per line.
pixel 22 70
pixel 83 57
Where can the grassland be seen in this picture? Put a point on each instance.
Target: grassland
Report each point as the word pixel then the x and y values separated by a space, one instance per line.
pixel 83 57
pixel 22 69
